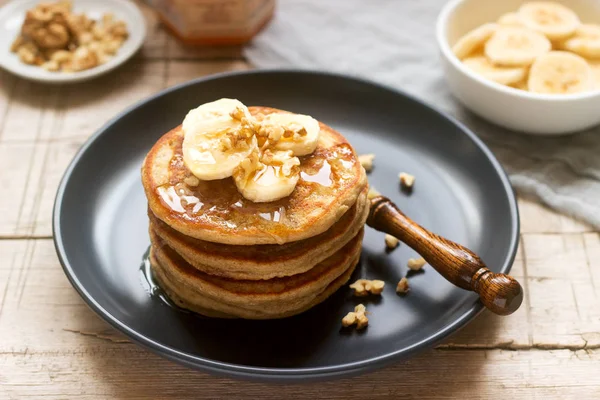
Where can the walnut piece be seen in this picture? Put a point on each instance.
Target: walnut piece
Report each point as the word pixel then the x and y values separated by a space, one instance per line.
pixel 191 181
pixel 406 180
pixel 366 160
pixel 51 65
pixel 358 317
pixel 83 58
pixel 391 242
pixel 402 287
pixel 365 287
pixel 416 264
pixel 372 193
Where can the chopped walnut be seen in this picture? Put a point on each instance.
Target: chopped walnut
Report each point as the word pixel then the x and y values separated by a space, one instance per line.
pixel 83 58
pixel 191 181
pixel 366 160
pixel 51 28
pixel 17 43
pixel 406 180
pixel 364 287
pixel 271 130
pixel 61 56
pixel 51 65
pixel 372 193
pixel 416 264
pixel 28 53
pixel 358 317
pixel 402 287
pixel 391 242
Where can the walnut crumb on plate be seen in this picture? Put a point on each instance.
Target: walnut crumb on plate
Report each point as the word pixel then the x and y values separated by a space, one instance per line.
pixel 365 287
pixel 402 287
pixel 366 160
pixel 406 180
pixel 391 242
pixel 358 317
pixel 416 264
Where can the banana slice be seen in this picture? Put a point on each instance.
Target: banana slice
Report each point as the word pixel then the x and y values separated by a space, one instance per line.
pixel 586 41
pixel 559 72
pixel 516 47
pixel 552 19
pixel 467 44
pixel 510 19
pixel 502 75
pixel 217 137
pixel 521 85
pixel 295 132
pixel 595 64
pixel 267 176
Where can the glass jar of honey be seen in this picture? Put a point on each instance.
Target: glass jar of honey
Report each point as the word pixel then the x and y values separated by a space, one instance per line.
pixel 214 22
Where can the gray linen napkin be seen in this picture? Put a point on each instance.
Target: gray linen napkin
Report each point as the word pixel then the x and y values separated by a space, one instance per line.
pixel 393 42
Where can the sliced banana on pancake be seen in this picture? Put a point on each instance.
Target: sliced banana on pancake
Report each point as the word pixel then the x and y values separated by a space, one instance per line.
pixel 295 132
pixel 467 44
pixel 559 72
pixel 217 137
pixel 510 19
pixel 552 19
pixel 268 176
pixel 503 75
pixel 585 42
pixel 516 47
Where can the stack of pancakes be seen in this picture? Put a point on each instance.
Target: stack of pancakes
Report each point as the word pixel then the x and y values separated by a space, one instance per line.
pixel 218 254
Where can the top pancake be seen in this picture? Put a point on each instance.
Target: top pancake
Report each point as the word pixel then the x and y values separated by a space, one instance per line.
pixel 331 179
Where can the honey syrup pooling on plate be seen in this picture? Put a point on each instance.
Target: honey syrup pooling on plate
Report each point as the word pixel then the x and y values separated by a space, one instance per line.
pixel 321 173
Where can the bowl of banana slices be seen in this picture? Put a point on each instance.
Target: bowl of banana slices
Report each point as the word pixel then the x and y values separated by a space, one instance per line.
pixel 530 66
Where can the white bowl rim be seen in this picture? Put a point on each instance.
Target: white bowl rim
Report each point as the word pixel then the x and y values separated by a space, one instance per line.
pixel 441 25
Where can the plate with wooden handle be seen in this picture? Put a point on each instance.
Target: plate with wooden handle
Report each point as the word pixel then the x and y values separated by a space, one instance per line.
pixel 461 193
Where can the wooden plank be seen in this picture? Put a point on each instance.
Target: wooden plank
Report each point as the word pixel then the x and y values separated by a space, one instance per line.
pixel 182 71
pixel 155 45
pixel 537 218
pixel 29 114
pixel 15 162
pixel 90 105
pixel 564 314
pixel 127 372
pixel 556 256
pixel 7 85
pixel 591 242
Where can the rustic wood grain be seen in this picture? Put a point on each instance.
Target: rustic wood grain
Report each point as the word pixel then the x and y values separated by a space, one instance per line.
pixel 53 347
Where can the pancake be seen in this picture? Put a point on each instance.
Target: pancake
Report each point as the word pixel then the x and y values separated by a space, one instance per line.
pixel 272 298
pixel 331 179
pixel 199 305
pixel 268 260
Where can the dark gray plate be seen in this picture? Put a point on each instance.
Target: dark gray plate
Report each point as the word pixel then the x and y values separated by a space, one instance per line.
pixel 461 192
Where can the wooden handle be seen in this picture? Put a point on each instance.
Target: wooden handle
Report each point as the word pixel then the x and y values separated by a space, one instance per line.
pixel 500 293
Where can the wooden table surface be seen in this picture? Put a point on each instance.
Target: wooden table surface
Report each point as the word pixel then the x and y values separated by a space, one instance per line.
pixel 53 346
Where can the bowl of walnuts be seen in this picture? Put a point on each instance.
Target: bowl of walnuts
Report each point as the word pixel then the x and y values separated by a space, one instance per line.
pixel 68 41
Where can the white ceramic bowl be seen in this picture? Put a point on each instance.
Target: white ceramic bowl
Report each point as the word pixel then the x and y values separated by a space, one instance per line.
pixel 13 14
pixel 512 108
